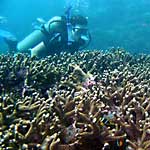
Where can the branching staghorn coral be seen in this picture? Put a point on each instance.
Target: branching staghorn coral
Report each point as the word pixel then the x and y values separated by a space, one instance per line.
pixel 89 100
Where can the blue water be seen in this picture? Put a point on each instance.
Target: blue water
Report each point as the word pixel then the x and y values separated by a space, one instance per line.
pixel 122 23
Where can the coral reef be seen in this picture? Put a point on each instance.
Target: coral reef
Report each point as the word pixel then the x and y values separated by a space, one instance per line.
pixel 90 100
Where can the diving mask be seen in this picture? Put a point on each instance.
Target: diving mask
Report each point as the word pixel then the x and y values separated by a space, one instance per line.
pixel 81 33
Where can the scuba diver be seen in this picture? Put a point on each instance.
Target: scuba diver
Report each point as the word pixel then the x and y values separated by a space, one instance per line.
pixel 59 34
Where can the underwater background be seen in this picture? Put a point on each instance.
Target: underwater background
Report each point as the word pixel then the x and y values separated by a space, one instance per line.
pixel 122 23
pixel 88 100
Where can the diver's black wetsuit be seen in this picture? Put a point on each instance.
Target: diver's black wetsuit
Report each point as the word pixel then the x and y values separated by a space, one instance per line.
pixel 57 38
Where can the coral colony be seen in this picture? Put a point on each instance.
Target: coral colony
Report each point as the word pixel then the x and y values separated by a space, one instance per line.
pixel 86 101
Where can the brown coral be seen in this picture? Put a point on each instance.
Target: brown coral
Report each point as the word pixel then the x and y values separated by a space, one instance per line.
pixel 89 100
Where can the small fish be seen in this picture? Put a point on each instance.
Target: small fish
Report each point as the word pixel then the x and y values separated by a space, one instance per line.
pixel 106 120
pixel 120 142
